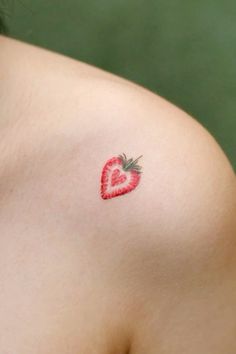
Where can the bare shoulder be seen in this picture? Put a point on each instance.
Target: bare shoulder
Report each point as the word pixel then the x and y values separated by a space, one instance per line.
pixel 161 257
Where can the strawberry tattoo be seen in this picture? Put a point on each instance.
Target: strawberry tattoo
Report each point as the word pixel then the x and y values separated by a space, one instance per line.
pixel 119 176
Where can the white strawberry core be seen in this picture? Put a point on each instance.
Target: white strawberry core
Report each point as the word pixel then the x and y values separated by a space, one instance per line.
pixel 116 171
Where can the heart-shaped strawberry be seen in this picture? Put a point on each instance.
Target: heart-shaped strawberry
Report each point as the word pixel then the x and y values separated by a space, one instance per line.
pixel 119 176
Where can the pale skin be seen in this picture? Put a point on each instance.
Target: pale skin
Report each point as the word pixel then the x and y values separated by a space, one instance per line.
pixel 147 272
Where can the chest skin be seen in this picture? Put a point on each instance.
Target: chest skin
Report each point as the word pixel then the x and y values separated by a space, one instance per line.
pixel 53 296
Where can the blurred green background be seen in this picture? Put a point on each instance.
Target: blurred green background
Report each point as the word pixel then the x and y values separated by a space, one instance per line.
pixel 182 50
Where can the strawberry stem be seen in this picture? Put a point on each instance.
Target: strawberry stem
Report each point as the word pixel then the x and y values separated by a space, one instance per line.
pixel 131 163
pixel 137 159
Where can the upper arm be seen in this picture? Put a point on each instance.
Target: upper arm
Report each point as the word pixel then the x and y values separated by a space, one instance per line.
pixel 168 247
pixel 179 256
